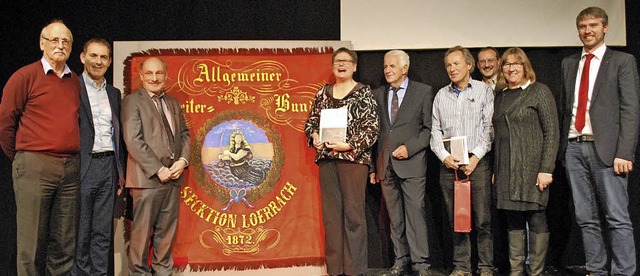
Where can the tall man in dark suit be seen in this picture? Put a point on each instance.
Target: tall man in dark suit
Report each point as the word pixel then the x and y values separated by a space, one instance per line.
pixel 600 128
pixel 101 159
pixel 401 165
pixel 157 140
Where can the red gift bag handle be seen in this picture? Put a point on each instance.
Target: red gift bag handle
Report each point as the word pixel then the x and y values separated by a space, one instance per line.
pixel 456 173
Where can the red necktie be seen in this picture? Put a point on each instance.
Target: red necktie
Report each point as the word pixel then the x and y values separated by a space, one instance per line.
pixel 583 94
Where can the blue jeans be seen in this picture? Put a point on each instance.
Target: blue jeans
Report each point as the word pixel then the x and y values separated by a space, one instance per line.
pixel 596 188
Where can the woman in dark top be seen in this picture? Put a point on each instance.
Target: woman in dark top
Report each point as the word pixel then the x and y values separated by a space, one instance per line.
pixel 343 166
pixel 526 141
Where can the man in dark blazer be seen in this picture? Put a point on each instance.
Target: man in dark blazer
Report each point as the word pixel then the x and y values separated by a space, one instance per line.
pixel 101 160
pixel 157 140
pixel 400 161
pixel 599 111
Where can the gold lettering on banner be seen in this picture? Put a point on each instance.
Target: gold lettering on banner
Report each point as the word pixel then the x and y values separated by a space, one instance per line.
pixel 239 236
pixel 241 80
pixel 212 74
pixel 283 104
pixel 210 77
pixel 190 106
pixel 205 212
pixel 245 241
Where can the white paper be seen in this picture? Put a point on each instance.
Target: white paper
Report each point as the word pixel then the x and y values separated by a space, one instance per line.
pixel 333 124
pixel 458 148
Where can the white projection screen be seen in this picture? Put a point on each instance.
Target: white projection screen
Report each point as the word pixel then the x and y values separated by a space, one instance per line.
pixel 439 24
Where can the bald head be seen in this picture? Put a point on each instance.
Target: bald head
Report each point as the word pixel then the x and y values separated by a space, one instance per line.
pixel 153 73
pixel 54 25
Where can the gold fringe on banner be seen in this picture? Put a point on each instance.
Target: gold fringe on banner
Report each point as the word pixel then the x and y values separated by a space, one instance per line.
pixel 291 262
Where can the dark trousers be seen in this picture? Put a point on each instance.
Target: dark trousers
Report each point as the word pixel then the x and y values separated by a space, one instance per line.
pixel 153 210
pixel 404 198
pixel 481 216
pixel 47 193
pixel 97 191
pixel 596 188
pixel 342 185
pixel 499 231
pixel 537 221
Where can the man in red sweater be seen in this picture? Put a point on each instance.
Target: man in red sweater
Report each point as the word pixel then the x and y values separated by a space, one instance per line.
pixel 39 131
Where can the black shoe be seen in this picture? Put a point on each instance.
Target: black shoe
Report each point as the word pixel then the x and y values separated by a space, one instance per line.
pixel 397 270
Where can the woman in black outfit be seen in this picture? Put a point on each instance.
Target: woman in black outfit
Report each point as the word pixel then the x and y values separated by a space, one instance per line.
pixel 526 129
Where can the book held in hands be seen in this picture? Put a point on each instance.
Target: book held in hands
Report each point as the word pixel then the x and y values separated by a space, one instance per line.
pixel 457 146
pixel 333 124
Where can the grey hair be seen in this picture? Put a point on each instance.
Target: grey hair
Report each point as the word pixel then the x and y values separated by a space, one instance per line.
pixel 404 57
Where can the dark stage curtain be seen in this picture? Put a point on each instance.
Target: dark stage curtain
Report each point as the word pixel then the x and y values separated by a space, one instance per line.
pixel 284 20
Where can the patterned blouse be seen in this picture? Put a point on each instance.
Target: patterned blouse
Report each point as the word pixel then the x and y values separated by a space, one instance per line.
pixel 362 125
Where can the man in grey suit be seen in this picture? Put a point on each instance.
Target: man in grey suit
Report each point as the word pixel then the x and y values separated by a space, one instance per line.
pixel 157 140
pixel 401 165
pixel 101 159
pixel 599 112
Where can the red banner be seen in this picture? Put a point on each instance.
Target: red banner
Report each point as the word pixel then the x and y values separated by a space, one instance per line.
pixel 251 196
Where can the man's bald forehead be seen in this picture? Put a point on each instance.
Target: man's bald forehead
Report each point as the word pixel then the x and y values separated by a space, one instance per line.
pixel 152 60
pixel 56 24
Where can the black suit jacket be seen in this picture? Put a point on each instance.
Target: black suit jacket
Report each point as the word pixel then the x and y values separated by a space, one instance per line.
pixel 614 109
pixel 411 128
pixel 87 130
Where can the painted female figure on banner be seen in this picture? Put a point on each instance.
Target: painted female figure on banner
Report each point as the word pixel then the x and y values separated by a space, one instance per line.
pixel 239 154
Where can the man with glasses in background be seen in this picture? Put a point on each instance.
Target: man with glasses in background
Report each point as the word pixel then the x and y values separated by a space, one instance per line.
pixel 488 65
pixel 488 60
pixel 39 132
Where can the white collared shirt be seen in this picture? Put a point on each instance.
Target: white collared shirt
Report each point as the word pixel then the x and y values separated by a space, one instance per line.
pixel 523 86
pixel 47 67
pixel 594 67
pixel 101 114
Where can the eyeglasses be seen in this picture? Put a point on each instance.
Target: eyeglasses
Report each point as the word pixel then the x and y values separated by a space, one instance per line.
pixel 157 74
pixel 56 40
pixel 512 64
pixel 342 61
pixel 487 61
